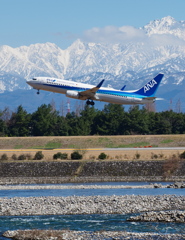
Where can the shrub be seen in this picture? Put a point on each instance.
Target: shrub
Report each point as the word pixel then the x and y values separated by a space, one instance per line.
pixel 39 155
pixel 14 157
pixel 55 156
pixel 170 166
pixel 76 155
pixel 182 155
pixel 137 155
pixel 92 157
pixel 4 157
pixel 28 156
pixel 22 157
pixel 64 156
pixel 161 155
pixel 60 155
pixel 102 156
pixel 154 156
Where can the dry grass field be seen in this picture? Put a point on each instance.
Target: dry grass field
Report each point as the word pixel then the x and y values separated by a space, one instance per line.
pixel 92 146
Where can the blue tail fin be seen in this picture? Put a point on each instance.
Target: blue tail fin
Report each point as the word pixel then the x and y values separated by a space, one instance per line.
pixel 151 87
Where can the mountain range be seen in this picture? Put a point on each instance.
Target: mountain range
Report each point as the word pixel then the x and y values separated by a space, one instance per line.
pixel 157 47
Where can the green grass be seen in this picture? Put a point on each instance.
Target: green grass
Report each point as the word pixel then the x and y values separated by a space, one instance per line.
pixel 37 147
pixel 131 145
pixel 49 145
pixel 73 146
pixel 103 139
pixel 53 145
pixel 18 146
pixel 166 141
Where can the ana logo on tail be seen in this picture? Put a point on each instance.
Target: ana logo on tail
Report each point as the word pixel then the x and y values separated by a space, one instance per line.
pixel 149 85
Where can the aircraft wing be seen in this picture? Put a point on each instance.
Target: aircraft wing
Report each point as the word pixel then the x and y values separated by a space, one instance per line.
pixel 91 92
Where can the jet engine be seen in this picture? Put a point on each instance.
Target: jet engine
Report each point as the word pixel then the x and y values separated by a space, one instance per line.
pixel 72 94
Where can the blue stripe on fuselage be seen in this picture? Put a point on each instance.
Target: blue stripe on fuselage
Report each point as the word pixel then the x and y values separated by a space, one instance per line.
pixel 101 91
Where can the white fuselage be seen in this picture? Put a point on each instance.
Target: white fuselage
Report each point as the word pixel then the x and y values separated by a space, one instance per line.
pixel 74 90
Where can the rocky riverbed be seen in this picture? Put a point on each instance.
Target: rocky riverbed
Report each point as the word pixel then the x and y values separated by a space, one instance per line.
pixel 84 235
pixel 89 204
pixel 82 186
pixel 161 216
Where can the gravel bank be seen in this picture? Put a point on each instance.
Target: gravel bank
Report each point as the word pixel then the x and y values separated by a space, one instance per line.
pixel 85 179
pixel 82 186
pixel 89 205
pixel 161 216
pixel 83 235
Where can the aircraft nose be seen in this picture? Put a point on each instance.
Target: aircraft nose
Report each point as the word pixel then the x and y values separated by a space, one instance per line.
pixel 31 80
pixel 28 81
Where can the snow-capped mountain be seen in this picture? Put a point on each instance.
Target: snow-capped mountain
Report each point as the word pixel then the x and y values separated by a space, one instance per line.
pixel 160 49
pixel 166 25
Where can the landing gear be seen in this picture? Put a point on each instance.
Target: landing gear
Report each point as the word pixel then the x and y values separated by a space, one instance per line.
pixel 38 91
pixel 90 102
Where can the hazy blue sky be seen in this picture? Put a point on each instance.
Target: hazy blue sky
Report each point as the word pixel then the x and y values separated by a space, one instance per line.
pixel 25 22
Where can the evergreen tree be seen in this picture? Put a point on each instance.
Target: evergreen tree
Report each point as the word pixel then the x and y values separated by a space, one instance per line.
pixel 77 125
pixel 3 126
pixel 162 125
pixel 87 117
pixel 44 120
pixel 61 127
pixel 139 120
pixel 114 117
pixel 19 123
pixel 112 120
pixel 100 124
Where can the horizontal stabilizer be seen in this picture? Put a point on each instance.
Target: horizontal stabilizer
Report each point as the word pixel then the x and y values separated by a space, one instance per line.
pixel 159 99
pixel 149 98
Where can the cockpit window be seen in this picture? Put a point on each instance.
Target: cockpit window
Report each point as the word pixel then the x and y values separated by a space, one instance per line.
pixel 34 79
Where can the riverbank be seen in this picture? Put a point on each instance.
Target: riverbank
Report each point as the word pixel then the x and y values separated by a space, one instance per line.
pixel 60 180
pixel 85 235
pixel 91 171
pixel 161 216
pixel 91 186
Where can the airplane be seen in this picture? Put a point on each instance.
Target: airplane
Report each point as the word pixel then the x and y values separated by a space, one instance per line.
pixel 92 93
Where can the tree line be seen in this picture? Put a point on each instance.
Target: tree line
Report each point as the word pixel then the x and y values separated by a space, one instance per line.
pixel 111 120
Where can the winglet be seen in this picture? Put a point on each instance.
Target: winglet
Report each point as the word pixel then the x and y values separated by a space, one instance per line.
pixel 91 92
pixel 123 88
pixel 100 84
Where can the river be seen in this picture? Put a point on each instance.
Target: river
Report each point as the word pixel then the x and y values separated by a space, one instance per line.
pixel 88 222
